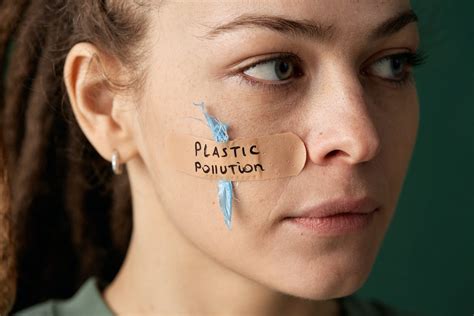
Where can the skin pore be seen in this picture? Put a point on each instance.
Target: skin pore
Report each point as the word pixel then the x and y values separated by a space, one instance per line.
pixel 338 90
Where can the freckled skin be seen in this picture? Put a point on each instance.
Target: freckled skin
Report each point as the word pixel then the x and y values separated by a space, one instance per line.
pixel 359 132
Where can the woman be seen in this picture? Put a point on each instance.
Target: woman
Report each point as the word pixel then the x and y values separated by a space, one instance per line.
pixel 334 75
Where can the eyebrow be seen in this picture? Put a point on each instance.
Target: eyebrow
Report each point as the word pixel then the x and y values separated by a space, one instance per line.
pixel 307 28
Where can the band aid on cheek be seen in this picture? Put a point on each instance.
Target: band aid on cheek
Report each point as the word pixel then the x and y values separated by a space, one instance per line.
pixel 261 158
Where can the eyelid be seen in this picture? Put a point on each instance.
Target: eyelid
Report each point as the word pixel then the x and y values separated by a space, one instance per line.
pixel 391 53
pixel 255 60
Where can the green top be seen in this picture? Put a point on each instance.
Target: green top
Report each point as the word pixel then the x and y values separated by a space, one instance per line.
pixel 88 301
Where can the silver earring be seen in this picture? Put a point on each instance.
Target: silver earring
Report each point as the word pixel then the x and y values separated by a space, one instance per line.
pixel 116 166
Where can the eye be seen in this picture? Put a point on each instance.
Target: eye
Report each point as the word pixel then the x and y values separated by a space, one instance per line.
pixel 276 69
pixel 395 67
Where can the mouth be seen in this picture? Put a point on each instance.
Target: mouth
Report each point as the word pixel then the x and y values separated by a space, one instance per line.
pixel 335 217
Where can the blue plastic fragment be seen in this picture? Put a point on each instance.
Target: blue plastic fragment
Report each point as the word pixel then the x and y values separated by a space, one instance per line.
pixel 225 188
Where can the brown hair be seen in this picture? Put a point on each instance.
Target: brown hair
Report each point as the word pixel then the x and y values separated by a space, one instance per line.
pixel 7 257
pixel 71 217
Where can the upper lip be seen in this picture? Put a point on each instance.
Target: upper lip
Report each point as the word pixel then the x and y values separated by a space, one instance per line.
pixel 338 206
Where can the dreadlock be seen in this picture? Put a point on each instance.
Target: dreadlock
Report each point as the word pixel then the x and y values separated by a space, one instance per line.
pixel 70 216
pixel 7 257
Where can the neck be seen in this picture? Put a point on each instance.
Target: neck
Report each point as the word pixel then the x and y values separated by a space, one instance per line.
pixel 165 273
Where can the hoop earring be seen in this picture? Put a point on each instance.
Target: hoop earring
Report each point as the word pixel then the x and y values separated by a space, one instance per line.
pixel 116 166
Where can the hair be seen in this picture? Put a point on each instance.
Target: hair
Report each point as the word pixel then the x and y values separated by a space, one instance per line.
pixel 71 217
pixel 7 257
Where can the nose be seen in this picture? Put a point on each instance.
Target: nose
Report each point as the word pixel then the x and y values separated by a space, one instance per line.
pixel 342 129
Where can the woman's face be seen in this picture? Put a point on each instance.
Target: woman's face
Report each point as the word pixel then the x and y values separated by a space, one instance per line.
pixel 330 83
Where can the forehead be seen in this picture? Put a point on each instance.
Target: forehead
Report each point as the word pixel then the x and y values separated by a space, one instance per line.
pixel 342 16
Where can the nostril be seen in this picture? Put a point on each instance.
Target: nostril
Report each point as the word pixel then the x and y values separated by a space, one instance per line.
pixel 335 153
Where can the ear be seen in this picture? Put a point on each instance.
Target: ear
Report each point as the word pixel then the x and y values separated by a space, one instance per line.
pixel 103 115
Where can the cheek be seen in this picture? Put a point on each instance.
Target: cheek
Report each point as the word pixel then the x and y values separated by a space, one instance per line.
pixel 398 129
pixel 193 202
pixel 403 135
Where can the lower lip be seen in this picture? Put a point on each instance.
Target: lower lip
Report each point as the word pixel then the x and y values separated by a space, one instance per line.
pixel 334 225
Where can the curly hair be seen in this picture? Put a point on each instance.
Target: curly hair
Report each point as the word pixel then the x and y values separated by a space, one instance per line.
pixel 71 218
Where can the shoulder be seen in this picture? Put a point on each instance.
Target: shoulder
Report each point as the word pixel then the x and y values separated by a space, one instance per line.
pixel 355 306
pixel 86 301
pixel 43 309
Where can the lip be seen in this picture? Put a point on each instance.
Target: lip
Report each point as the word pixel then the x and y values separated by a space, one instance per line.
pixel 335 217
pixel 364 205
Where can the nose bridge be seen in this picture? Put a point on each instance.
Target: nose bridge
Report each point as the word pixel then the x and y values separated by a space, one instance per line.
pixel 345 130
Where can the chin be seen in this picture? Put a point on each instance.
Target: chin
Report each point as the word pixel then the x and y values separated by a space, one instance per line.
pixel 326 287
pixel 338 276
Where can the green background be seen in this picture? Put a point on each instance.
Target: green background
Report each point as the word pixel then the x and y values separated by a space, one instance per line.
pixel 426 262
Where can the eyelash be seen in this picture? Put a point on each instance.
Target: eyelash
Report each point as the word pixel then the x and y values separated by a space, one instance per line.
pixel 413 59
